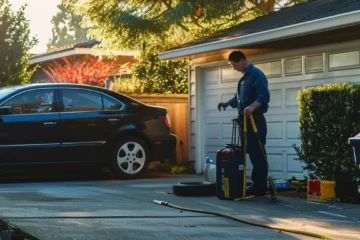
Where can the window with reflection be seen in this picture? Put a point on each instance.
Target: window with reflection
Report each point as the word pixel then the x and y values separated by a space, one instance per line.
pixel 81 100
pixel 34 101
pixel 111 104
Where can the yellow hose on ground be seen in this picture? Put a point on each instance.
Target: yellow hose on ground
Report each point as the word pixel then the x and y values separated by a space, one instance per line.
pixel 319 236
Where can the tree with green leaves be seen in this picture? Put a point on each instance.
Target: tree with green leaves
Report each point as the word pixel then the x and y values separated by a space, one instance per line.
pixel 15 42
pixel 125 24
pixel 66 29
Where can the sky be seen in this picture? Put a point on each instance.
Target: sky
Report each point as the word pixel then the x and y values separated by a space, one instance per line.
pixel 40 13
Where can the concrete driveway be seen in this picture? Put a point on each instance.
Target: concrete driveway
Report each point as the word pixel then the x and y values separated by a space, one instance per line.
pixel 109 209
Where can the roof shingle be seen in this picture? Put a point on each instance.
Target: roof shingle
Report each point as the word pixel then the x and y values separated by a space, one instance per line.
pixel 300 13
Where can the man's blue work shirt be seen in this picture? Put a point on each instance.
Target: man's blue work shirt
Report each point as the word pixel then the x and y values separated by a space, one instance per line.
pixel 253 86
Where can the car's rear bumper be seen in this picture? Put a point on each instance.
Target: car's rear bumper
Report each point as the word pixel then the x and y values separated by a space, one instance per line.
pixel 163 147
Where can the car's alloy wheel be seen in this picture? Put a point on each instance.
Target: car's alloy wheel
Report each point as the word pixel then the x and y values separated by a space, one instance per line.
pixel 131 158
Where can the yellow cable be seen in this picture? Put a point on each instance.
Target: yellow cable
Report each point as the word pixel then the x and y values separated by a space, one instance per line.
pixel 244 174
pixel 256 130
pixel 253 123
pixel 311 234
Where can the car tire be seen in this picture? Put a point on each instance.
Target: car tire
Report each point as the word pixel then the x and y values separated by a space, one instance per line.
pixel 130 158
pixel 194 189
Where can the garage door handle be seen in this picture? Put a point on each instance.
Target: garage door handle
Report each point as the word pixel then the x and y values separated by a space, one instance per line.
pixel 49 124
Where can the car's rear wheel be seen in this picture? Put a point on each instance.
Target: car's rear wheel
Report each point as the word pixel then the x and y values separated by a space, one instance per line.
pixel 130 158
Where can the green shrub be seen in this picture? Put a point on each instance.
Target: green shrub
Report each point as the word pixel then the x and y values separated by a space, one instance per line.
pixel 126 85
pixel 160 76
pixel 179 170
pixel 329 115
pixel 167 167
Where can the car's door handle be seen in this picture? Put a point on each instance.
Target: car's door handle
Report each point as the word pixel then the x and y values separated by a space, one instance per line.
pixel 49 124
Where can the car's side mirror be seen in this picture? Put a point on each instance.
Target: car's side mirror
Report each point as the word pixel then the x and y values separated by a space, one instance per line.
pixel 6 110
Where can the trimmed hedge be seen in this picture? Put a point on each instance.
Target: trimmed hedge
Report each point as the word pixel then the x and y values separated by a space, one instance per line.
pixel 329 115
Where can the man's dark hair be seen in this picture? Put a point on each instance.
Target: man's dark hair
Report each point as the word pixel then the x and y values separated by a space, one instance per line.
pixel 236 56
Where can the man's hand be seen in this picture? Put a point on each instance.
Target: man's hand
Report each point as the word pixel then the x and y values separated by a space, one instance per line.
pixel 249 110
pixel 222 105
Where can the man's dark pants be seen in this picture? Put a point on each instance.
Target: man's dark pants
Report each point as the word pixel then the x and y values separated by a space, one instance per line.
pixel 257 158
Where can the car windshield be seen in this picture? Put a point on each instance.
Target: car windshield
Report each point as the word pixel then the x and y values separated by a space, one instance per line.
pixel 5 91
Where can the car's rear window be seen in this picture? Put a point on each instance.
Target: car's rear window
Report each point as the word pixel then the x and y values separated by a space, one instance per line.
pixel 5 91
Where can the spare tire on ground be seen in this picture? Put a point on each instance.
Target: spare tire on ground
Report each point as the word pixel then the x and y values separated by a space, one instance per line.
pixel 194 189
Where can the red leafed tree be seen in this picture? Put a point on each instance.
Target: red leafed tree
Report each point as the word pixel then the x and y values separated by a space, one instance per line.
pixel 85 70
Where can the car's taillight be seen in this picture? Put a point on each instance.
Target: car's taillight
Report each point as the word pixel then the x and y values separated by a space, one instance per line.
pixel 167 121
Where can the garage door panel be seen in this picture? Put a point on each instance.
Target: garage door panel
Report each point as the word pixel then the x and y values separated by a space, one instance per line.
pixel 212 102
pixel 226 131
pixel 294 166
pixel 211 76
pixel 228 114
pixel 291 96
pixel 279 159
pixel 281 143
pixel 223 129
pixel 281 113
pixel 275 98
pixel 280 149
pixel 275 116
pixel 292 130
pixel 274 130
pixel 217 142
pixel 223 87
pixel 212 131
pixel 229 75
pixel 276 162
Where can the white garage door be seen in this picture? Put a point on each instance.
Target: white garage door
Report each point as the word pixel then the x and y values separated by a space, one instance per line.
pixel 282 120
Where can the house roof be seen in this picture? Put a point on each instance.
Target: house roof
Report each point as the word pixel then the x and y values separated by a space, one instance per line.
pixel 300 14
pixel 84 44
pixel 81 48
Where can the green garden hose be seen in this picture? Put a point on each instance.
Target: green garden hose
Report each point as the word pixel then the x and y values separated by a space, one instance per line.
pixel 319 236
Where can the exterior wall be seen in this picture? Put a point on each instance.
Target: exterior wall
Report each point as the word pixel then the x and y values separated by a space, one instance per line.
pixel 287 72
pixel 177 107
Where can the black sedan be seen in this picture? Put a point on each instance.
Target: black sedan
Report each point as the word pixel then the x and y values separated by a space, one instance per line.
pixel 64 124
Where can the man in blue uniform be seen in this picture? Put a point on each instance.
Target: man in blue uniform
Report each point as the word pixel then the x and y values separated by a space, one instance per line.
pixel 252 97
